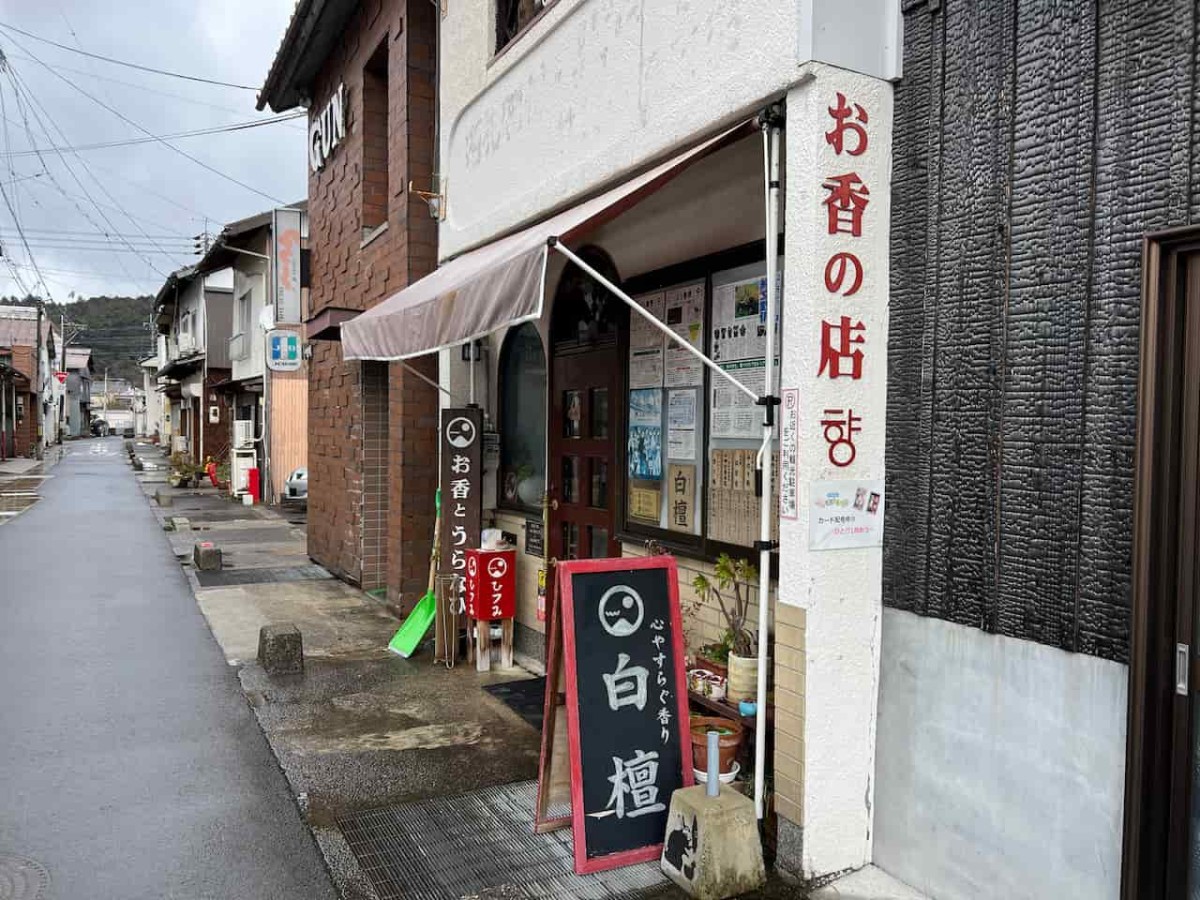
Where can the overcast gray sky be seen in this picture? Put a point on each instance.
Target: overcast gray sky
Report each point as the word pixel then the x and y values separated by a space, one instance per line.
pixel 146 201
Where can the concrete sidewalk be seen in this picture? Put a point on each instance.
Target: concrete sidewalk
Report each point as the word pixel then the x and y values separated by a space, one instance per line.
pixel 362 728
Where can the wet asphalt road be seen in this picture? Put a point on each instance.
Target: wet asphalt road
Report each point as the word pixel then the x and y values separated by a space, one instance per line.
pixel 130 765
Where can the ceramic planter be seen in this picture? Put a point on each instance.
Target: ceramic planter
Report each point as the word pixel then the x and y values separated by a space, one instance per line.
pixel 743 678
pixel 728 744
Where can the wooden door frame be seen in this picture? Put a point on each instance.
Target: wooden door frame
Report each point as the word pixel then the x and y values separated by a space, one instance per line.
pixel 1157 764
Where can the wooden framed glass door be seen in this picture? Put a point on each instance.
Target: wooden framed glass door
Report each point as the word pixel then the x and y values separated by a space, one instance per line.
pixel 584 426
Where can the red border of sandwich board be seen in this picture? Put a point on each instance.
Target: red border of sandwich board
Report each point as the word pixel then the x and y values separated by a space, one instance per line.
pixel 583 864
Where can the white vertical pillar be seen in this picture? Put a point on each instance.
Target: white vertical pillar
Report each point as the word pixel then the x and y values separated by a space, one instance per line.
pixel 838 589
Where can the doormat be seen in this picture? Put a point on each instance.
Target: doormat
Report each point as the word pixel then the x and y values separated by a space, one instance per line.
pixel 482 845
pixel 525 697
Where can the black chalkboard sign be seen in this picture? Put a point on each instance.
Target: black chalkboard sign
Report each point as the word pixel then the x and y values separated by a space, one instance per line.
pixel 627 713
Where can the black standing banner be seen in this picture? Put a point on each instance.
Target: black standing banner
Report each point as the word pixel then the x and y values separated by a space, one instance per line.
pixel 461 480
pixel 627 714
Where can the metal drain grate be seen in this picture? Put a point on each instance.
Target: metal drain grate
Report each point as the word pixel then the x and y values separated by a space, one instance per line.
pixel 22 878
pixel 481 843
pixel 230 577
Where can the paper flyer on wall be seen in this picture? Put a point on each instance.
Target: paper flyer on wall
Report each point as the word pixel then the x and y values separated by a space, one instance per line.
pixel 735 415
pixel 645 434
pixel 646 367
pixel 681 424
pixel 642 334
pixel 684 312
pixel 739 328
pixel 845 514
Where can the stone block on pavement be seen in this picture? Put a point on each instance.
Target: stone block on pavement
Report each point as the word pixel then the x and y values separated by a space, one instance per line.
pixel 281 649
pixel 162 498
pixel 712 849
pixel 207 557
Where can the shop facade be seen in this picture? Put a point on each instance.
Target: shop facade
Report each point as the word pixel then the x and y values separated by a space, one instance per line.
pixel 961 298
pixel 557 189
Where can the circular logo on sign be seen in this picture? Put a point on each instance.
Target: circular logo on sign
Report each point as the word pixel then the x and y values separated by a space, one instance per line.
pixel 497 567
pixel 472 566
pixel 460 432
pixel 621 610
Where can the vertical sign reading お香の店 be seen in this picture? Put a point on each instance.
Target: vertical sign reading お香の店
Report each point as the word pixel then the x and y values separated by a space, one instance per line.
pixel 627 710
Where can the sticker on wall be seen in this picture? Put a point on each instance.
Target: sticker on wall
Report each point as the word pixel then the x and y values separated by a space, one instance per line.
pixel 844 515
pixel 789 454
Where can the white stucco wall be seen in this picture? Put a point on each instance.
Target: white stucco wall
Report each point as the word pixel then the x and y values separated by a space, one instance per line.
pixel 253 274
pixel 1000 765
pixel 598 88
pixel 840 590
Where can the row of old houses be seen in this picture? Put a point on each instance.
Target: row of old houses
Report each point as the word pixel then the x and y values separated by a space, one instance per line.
pixel 228 383
pixel 45 388
pixel 971 222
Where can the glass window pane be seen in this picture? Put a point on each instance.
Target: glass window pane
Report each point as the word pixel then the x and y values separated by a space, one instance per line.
pixel 599 412
pixel 570 479
pixel 572 414
pixel 599 498
pixel 523 418
pixel 570 540
pixel 597 542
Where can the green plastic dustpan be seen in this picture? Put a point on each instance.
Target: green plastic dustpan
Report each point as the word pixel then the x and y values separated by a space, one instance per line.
pixel 416 626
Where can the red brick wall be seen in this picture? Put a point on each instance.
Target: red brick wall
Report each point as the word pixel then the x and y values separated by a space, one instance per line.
pixel 346 503
pixel 413 448
pixel 334 462
pixel 26 431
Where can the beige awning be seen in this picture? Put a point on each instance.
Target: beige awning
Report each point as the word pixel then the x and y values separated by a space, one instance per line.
pixel 499 284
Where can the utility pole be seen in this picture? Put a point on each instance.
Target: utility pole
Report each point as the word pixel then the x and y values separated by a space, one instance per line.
pixel 41 384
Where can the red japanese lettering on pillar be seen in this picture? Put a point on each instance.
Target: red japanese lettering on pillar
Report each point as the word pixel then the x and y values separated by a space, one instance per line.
pixel 849 118
pixel 840 355
pixel 847 200
pixel 843 337
pixel 840 266
pixel 840 426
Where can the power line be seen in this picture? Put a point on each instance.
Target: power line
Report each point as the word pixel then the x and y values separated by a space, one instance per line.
pixel 125 118
pixel 20 88
pixel 141 87
pixel 216 129
pixel 127 64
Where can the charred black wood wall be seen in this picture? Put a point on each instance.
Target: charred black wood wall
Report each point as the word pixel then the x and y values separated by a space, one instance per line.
pixel 1035 143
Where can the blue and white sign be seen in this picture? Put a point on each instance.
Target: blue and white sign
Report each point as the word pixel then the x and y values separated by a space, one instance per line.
pixel 283 350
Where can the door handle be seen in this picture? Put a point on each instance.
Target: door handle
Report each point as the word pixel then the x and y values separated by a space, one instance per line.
pixel 1182 668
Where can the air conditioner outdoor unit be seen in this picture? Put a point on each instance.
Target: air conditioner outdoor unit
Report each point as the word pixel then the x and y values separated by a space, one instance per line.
pixel 243 432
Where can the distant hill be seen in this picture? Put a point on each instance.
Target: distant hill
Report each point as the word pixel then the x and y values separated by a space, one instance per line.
pixel 117 330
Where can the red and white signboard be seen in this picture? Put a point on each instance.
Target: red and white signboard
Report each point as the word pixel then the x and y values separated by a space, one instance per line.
pixel 491 584
pixel 61 376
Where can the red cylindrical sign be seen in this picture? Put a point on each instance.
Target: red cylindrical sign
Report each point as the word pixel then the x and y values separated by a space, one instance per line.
pixel 492 584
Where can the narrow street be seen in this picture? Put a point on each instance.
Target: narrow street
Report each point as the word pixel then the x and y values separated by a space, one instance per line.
pixel 132 765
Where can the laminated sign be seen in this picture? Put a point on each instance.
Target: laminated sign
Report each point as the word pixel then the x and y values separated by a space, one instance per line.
pixel 627 714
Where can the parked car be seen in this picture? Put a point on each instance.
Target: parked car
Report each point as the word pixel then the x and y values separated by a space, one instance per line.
pixel 296 486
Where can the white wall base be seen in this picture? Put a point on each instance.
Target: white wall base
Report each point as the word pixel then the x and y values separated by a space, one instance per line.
pixel 1000 765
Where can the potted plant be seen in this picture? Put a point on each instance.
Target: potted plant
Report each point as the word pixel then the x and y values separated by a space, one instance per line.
pixel 183 472
pixel 714 656
pixel 734 581
pixel 729 743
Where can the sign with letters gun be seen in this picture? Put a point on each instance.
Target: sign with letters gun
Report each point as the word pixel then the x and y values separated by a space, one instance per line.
pixel 627 714
pixel 461 480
